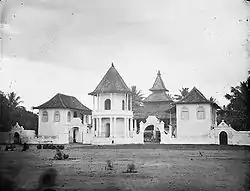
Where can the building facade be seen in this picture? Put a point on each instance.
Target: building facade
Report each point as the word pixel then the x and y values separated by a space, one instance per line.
pixel 112 110
pixel 63 119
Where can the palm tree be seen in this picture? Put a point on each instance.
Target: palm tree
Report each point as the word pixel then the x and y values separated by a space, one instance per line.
pixel 14 100
pixel 237 111
pixel 183 92
pixel 212 99
pixel 137 97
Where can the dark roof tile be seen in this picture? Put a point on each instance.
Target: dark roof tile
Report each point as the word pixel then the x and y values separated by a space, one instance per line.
pixel 112 82
pixel 61 101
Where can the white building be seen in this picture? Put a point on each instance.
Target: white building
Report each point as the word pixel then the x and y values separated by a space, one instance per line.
pixel 63 119
pixel 112 110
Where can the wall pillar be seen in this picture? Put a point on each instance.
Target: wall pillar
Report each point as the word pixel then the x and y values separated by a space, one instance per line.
pixel 170 131
pixel 125 127
pixel 111 99
pixel 114 126
pixel 100 126
pixel 111 126
pixel 94 103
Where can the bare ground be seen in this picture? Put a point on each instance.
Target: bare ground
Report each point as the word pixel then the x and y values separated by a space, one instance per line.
pixel 160 167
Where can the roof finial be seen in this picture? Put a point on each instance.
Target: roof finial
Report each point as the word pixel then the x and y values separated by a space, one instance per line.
pixel 112 64
pixel 159 73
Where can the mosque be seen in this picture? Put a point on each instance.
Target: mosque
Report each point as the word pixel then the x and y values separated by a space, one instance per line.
pixel 192 120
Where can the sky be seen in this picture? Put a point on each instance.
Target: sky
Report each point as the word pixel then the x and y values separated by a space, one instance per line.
pixel 64 46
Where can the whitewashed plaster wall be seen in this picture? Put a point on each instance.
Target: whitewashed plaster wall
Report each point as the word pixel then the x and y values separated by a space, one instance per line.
pixel 193 126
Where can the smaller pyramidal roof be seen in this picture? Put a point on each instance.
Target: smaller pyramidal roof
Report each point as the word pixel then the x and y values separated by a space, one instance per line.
pixel 158 91
pixel 158 84
pixel 61 101
pixel 112 82
pixel 194 96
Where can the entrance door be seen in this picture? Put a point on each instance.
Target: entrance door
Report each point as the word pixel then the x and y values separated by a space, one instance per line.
pixel 75 133
pixel 17 138
pixel 107 130
pixel 223 138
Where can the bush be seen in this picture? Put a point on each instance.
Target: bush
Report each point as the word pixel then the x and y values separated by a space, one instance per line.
pixel 109 165
pixel 25 147
pixel 45 146
pixel 47 178
pixel 39 146
pixel 131 168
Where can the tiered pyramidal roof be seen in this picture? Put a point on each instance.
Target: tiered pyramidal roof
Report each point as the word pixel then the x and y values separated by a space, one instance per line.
pixel 158 91
pixel 112 82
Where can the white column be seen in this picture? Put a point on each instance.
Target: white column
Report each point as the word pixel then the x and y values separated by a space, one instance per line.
pixel 170 131
pixel 125 129
pixel 100 126
pixel 93 126
pixel 94 103
pixel 99 102
pixel 114 126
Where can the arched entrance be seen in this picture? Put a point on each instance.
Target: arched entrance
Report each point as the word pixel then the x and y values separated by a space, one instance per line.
pixel 75 134
pixel 17 139
pixel 152 134
pixel 107 130
pixel 148 134
pixel 223 138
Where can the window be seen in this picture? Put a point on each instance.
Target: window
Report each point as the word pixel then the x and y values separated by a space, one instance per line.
pixel 123 105
pixel 57 116
pixel 107 104
pixel 200 113
pixel 184 113
pixel 75 114
pixel 69 116
pixel 87 119
pixel 45 116
pixel 128 102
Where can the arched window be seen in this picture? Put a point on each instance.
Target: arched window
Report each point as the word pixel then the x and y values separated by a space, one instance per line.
pixel 45 116
pixel 75 114
pixel 107 104
pixel 184 113
pixel 57 116
pixel 200 113
pixel 123 105
pixel 69 116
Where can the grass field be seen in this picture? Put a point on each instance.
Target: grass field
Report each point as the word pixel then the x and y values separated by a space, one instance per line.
pixel 160 167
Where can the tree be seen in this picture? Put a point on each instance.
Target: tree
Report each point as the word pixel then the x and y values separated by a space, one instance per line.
pixel 5 121
pixel 137 97
pixel 14 100
pixel 11 112
pixel 237 111
pixel 183 93
pixel 212 99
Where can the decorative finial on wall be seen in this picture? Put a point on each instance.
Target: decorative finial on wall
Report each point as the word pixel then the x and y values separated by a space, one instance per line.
pixel 159 73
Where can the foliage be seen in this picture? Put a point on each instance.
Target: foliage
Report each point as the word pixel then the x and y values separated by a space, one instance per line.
pixel 237 111
pixel 11 112
pixel 183 93
pixel 109 165
pixel 131 168
pixel 137 97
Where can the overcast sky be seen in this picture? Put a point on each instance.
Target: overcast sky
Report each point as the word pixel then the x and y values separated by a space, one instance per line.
pixel 67 46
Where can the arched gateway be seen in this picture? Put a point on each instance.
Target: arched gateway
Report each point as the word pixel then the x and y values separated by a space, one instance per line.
pixel 223 138
pixel 152 130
